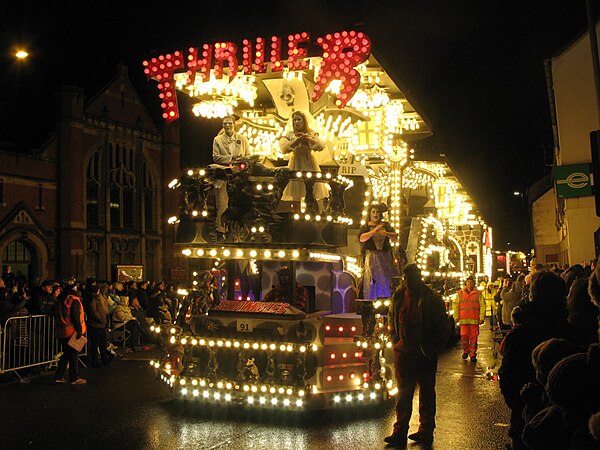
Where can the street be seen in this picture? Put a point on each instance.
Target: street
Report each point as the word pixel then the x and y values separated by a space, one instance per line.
pixel 124 406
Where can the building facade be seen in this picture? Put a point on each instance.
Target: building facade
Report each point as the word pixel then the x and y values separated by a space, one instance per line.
pixel 564 218
pixel 95 195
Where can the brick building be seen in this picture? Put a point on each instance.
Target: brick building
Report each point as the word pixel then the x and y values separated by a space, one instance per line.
pixel 95 194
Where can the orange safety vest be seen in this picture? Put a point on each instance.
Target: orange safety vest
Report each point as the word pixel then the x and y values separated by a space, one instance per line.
pixel 469 307
pixel 64 324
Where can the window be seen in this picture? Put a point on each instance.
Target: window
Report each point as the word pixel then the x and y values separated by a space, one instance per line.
pixel 122 182
pixel 149 208
pixel 123 251
pixel 92 261
pixel 93 190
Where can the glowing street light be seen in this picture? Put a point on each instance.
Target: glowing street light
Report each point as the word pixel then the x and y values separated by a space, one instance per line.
pixel 21 54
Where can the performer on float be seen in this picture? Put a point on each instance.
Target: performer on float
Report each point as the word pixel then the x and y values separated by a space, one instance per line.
pixel 227 145
pixel 301 142
pixel 379 267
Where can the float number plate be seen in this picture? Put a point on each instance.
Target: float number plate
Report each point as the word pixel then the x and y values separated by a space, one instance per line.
pixel 245 326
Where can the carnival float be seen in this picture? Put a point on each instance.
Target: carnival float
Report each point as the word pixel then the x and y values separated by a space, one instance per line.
pixel 235 343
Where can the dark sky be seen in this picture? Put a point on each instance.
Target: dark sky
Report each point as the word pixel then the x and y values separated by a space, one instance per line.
pixel 474 68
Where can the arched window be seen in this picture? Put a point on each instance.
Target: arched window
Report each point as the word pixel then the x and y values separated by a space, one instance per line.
pixel 122 183
pixel 93 190
pixel 149 198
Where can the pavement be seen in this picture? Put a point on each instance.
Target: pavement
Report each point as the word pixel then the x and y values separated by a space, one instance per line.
pixel 123 405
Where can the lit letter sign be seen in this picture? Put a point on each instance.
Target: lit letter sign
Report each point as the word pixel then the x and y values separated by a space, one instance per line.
pixel 342 52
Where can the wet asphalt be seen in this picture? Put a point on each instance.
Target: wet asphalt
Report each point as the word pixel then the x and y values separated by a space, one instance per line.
pixel 123 406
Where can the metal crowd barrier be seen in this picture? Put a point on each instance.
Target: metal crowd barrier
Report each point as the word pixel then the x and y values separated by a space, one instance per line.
pixel 29 341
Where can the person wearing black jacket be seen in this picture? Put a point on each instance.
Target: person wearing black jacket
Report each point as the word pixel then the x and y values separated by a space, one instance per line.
pixel 419 328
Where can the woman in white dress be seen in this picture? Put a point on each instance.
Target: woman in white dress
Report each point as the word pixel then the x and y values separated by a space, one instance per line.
pixel 301 142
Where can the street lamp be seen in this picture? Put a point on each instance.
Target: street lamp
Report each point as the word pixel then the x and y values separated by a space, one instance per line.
pixel 21 54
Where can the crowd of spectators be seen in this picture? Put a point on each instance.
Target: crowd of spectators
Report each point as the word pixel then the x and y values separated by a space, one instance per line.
pixel 550 371
pixel 108 306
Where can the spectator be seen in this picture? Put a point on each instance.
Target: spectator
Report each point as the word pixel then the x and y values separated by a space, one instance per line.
pixel 574 392
pixel 122 317
pixel 543 318
pixel 97 315
pixel 143 295
pixel 583 314
pixel 488 294
pixel 42 302
pixel 511 297
pixel 144 322
pixel 69 321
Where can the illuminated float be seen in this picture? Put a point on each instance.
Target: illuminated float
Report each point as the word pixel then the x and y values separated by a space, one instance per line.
pixel 236 348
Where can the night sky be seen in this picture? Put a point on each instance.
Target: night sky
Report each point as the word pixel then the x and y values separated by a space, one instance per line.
pixel 474 68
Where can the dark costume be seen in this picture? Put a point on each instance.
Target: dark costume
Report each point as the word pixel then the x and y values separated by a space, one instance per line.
pixel 419 329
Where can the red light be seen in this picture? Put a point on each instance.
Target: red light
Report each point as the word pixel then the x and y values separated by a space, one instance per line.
pixel 344 355
pixel 237 283
pixel 365 375
pixel 341 377
pixel 357 354
pixel 353 329
pixel 327 327
pixel 243 166
pixel 332 356
pixel 328 377
pixel 352 376
pixel 341 329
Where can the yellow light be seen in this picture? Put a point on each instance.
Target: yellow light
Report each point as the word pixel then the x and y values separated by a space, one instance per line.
pixel 21 54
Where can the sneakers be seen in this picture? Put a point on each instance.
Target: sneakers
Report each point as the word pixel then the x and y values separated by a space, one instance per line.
pixel 422 437
pixel 465 356
pixel 396 440
pixel 60 381
pixel 79 381
pixel 473 358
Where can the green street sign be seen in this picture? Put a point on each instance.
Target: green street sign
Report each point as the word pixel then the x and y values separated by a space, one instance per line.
pixel 573 180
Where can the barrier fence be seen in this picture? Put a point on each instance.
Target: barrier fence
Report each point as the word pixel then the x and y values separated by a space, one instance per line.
pixel 29 341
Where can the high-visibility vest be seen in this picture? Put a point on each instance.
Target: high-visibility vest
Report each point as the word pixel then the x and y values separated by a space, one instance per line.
pixel 64 324
pixel 469 307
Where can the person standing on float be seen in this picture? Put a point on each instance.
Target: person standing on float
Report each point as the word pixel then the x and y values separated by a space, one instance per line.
pixel 227 146
pixel 300 143
pixel 379 268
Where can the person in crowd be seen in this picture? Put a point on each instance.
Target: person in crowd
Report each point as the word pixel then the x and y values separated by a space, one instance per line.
pixel 419 330
pixel 544 357
pixel 379 268
pixel 9 277
pixel 113 297
pixel 301 142
pixel 132 290
pixel 42 302
pixel 469 313
pixel 527 281
pixel 574 392
pixel 281 292
pixel 97 318
pixel 511 296
pixel 142 295
pixel 488 294
pixel 122 316
pixel 574 272
pixel 542 318
pixel 583 314
pixel 227 146
pixel 69 321
pixel 594 290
